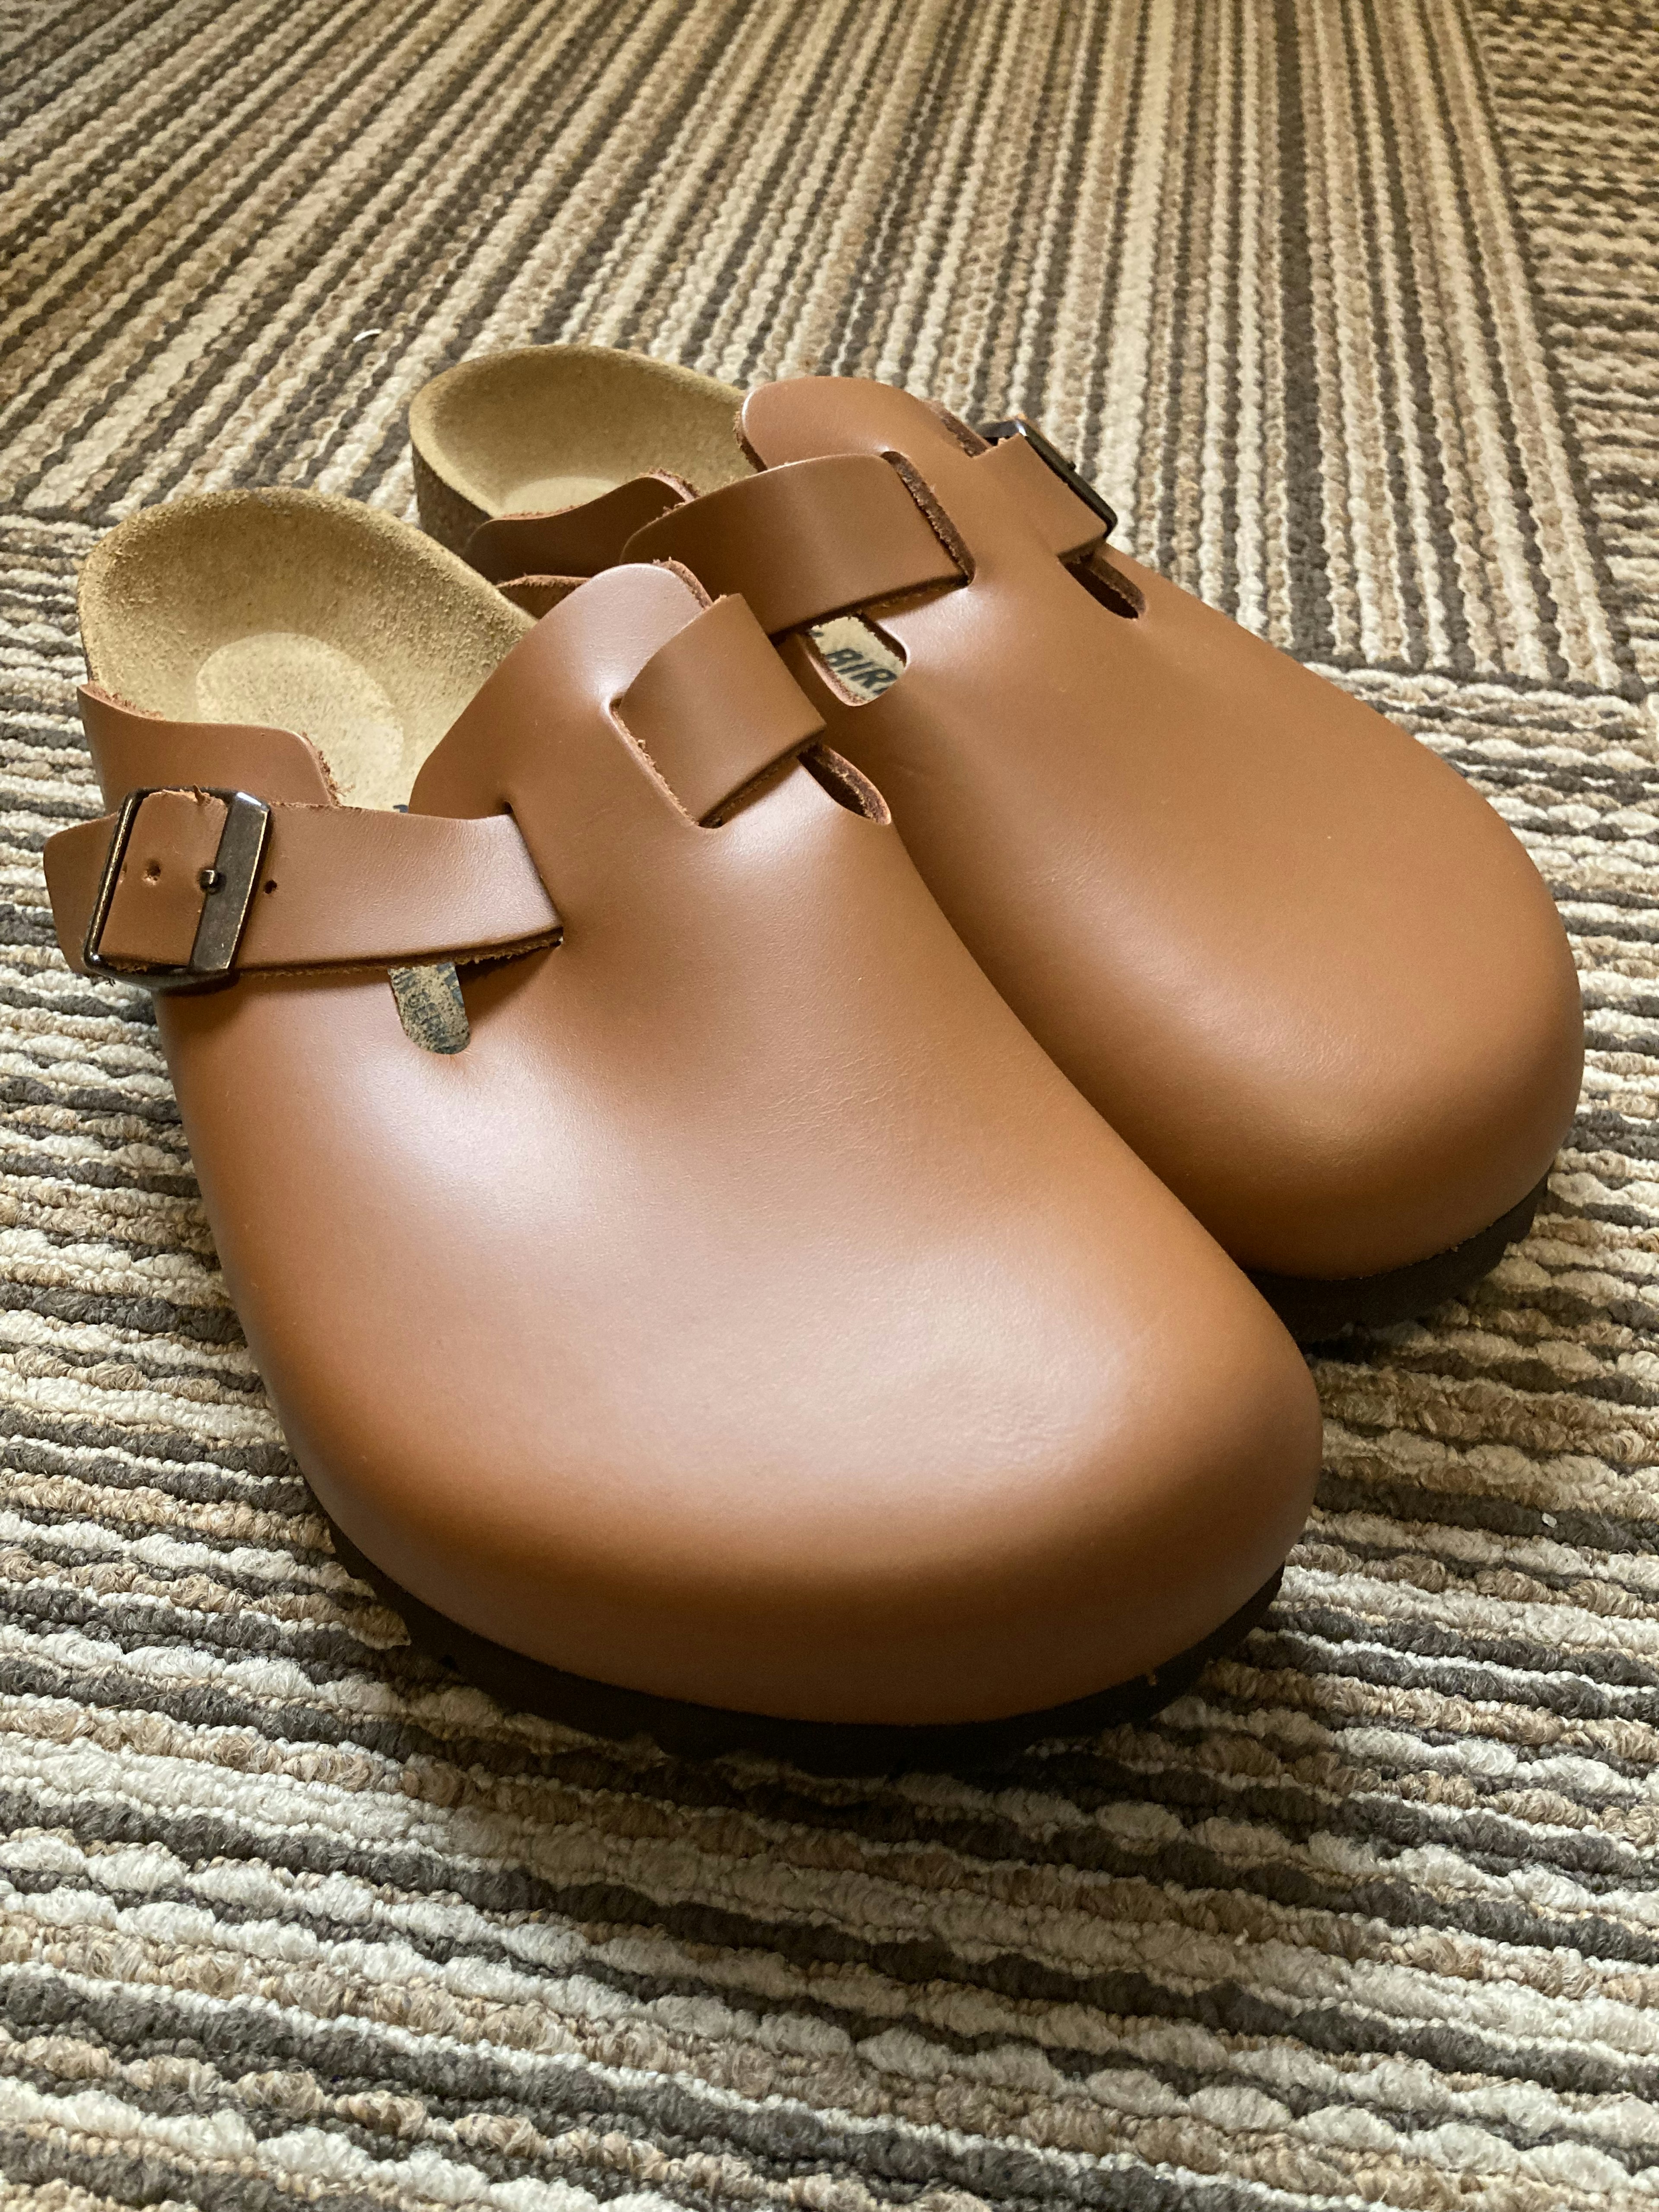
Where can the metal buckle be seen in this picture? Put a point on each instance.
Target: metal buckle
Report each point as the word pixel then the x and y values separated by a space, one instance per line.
pixel 226 887
pixel 1017 427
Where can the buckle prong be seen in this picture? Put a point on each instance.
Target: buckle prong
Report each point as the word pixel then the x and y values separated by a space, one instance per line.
pixel 226 888
pixel 1018 426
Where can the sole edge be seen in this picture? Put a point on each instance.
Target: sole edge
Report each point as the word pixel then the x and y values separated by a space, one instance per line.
pixel 1313 1309
pixel 835 1748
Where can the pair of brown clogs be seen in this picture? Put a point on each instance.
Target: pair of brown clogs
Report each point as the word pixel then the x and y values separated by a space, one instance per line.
pixel 733 1261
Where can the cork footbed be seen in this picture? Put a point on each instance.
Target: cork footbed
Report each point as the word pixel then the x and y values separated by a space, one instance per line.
pixel 296 610
pixel 552 427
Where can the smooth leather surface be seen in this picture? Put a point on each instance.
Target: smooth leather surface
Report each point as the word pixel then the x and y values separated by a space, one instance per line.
pixel 1065 525
pixel 751 1313
pixel 1302 968
pixel 715 706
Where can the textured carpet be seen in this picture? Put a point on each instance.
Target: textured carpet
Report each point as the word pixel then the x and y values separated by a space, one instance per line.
pixel 1350 307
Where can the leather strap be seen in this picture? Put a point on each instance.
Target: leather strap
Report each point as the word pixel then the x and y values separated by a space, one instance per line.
pixel 812 539
pixel 338 887
pixel 538 595
pixel 807 541
pixel 572 541
pixel 715 708
pixel 1066 525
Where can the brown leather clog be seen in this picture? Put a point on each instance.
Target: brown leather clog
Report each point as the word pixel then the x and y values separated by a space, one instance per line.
pixel 711 1315
pixel 1290 956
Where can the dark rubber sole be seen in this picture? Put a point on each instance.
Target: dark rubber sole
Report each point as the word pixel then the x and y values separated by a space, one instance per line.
pixel 1312 1309
pixel 690 1731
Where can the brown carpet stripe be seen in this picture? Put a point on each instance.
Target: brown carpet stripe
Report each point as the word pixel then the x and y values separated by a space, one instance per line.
pixel 1350 309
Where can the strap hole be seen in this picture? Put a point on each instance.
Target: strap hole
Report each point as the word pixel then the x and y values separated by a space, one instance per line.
pixel 859 662
pixel 152 871
pixel 1107 583
pixel 844 783
pixel 272 885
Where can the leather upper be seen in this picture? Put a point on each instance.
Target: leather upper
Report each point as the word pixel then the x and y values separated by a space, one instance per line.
pixel 1305 970
pixel 751 1313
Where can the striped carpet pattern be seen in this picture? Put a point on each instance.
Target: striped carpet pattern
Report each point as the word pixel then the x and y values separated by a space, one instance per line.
pixel 1579 117
pixel 1349 308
